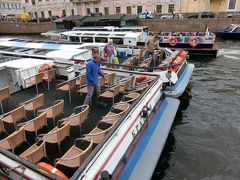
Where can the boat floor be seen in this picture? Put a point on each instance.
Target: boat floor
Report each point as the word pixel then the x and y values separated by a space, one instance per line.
pixel 96 112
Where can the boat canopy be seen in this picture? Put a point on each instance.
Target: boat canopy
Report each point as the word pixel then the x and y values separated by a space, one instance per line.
pixel 80 54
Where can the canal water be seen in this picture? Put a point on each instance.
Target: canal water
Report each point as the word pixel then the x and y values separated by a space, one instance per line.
pixel 204 140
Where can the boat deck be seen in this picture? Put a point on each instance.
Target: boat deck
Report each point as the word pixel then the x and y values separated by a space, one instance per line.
pixel 96 112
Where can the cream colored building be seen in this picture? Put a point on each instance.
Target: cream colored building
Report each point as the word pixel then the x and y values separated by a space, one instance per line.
pixel 210 5
pixel 10 6
pixel 46 8
pixel 85 7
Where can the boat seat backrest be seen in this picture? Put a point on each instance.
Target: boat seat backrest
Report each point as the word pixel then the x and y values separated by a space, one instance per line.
pixel 35 152
pixel 72 83
pixel 40 121
pixel 57 108
pixel 38 101
pixel 4 93
pixel 39 77
pixel 51 74
pixel 63 131
pixel 14 140
pixel 2 128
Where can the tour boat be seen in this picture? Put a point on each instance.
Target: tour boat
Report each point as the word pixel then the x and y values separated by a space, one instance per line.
pixel 174 69
pixel 196 43
pixel 231 32
pixel 114 141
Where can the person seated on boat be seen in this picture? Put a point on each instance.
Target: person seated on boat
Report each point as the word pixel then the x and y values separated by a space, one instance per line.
pixel 109 51
pixel 150 46
pixel 92 73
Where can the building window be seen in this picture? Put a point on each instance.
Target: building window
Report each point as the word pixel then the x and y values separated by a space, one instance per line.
pixel 42 14
pixel 36 14
pixel 49 13
pixel 63 14
pixel 129 10
pixel 159 9
pixel 106 10
pixel 33 2
pixel 72 11
pixel 170 8
pixel 118 10
pixel 26 1
pixel 88 11
pixel 139 9
pixel 232 4
pixel 39 0
pixel 97 10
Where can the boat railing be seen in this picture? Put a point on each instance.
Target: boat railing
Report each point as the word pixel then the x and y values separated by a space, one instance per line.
pixel 186 39
pixel 135 68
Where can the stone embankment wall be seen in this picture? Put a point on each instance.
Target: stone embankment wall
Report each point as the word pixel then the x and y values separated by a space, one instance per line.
pixel 177 25
pixel 25 28
pixel 187 25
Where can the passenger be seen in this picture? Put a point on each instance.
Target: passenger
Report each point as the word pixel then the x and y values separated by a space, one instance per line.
pixel 150 46
pixel 109 51
pixel 92 73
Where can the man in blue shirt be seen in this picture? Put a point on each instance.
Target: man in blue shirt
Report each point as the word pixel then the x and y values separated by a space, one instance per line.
pixel 92 73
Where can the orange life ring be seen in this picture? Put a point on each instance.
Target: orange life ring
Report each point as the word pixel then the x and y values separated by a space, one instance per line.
pixel 44 67
pixel 193 41
pixel 52 169
pixel 172 41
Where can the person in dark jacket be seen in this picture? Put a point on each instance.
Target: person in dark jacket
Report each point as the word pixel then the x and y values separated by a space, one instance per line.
pixel 92 73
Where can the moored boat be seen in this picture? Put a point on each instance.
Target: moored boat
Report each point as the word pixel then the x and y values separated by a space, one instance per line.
pixel 69 57
pixel 230 32
pixel 123 128
pixel 196 43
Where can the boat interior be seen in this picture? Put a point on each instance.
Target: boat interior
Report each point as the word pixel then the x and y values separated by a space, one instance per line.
pixel 48 122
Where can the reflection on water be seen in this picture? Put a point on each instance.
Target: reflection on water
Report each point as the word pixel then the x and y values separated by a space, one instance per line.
pixel 204 141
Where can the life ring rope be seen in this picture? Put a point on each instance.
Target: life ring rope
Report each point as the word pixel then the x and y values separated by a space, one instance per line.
pixel 193 41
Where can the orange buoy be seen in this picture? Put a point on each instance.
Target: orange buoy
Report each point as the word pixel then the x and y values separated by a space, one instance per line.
pixel 139 79
pixel 177 60
pixel 44 67
pixel 182 54
pixel 193 41
pixel 51 169
pixel 172 41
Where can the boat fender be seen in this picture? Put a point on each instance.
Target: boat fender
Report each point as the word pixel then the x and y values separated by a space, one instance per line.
pixel 44 67
pixel 141 78
pixel 172 41
pixel 182 54
pixel 52 169
pixel 193 41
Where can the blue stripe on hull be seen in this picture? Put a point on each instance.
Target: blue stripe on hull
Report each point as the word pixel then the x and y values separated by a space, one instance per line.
pixel 142 143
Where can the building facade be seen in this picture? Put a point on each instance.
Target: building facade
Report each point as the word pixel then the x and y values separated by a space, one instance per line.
pixel 210 5
pixel 47 8
pixel 85 7
pixel 11 6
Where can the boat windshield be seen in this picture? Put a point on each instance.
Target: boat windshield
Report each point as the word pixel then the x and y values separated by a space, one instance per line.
pixel 230 28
